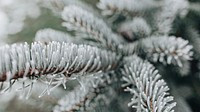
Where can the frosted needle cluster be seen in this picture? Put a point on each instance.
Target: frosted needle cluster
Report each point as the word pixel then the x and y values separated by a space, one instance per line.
pixel 20 61
pixel 150 92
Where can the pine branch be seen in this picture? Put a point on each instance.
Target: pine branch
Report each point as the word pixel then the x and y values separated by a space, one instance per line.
pixel 165 18
pixel 48 35
pixel 20 61
pixel 57 6
pixel 87 26
pixel 93 90
pixel 129 49
pixel 125 7
pixel 150 92
pixel 167 50
pixel 164 49
pixel 75 99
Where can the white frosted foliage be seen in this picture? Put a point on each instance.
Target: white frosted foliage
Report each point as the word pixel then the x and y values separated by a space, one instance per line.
pixel 167 50
pixel 150 92
pixel 47 35
pixel 86 25
pixel 20 60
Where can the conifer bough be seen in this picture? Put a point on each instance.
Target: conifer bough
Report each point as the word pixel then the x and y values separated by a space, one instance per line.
pixel 150 92
pixel 20 61
pixel 164 49
pixel 87 26
pixel 111 7
pixel 47 35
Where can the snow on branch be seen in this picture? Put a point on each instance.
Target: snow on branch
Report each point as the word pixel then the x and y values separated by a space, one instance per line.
pixel 75 99
pixel 20 61
pixel 87 26
pixel 125 7
pixel 164 49
pixel 167 50
pixel 87 96
pixel 150 92
pixel 48 35
pixel 170 10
